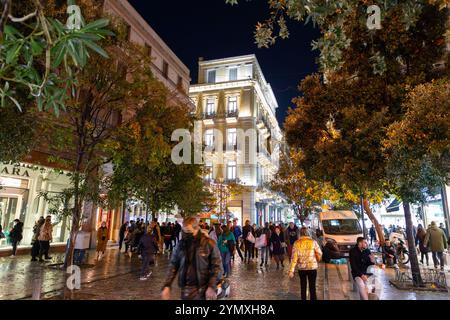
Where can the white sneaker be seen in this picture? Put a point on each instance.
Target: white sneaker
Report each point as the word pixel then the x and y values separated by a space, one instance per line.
pixel 149 274
pixel 12 256
pixel 143 278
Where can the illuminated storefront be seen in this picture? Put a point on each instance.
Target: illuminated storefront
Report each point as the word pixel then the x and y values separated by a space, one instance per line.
pixel 20 186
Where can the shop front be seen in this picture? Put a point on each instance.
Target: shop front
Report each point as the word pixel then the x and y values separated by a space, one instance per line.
pixel 20 187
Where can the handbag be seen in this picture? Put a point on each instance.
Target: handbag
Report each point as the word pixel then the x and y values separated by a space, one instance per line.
pixel 261 241
pixel 251 237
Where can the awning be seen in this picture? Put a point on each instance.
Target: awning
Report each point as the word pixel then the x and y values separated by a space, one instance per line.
pixel 394 206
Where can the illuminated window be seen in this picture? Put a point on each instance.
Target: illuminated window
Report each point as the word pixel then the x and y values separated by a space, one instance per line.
pixel 233 74
pixel 232 104
pixel 231 136
pixel 211 76
pixel 210 106
pixel 209 137
pixel 231 170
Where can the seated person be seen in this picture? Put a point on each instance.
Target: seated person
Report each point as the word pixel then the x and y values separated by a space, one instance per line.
pixel 331 251
pixel 360 259
pixel 389 254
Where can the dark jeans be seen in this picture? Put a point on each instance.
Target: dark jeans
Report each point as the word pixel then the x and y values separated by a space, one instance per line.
pixel 226 258
pixel 146 260
pixel 437 255
pixel 169 244
pixel 121 238
pixel 424 255
pixel 308 277
pixel 35 249
pixel 249 249
pixel 238 249
pixel 44 248
pixel 14 247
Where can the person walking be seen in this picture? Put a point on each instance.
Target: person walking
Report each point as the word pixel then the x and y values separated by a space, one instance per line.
pixel 265 248
pixel 360 259
pixel 237 232
pixel 148 247
pixel 436 240
pixel 177 230
pixel 157 232
pixel 122 231
pixel 248 245
pixel 197 262
pixel 102 240
pixel 255 250
pixel 16 236
pixel 291 235
pixel 443 228
pixel 420 241
pixel 226 243
pixel 306 254
pixel 213 233
pixel 34 239
pixel 278 244
pixel 45 236
pixel 167 235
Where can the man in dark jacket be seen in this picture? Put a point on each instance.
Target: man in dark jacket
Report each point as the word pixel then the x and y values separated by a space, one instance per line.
pixel 237 232
pixel 248 252
pixel 148 247
pixel 197 261
pixel 122 231
pixel 360 259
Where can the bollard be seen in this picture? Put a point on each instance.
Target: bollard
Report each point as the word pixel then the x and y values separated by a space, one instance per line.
pixel 37 284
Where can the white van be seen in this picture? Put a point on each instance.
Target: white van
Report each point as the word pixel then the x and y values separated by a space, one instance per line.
pixel 340 226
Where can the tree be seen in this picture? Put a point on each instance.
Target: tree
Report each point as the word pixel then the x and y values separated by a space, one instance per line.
pixel 340 123
pixel 18 131
pixel 417 151
pixel 141 155
pixel 100 95
pixel 40 54
pixel 305 194
pixel 190 193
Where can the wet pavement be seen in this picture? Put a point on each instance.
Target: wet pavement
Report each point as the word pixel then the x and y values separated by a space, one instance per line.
pixel 116 277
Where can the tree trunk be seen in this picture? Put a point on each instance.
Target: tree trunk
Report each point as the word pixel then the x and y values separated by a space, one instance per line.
pixel 414 261
pixel 378 228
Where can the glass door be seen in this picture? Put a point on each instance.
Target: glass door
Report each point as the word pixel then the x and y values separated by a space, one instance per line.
pixel 8 208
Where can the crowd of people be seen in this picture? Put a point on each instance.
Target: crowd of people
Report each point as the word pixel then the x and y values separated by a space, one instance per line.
pixel 203 255
pixel 433 239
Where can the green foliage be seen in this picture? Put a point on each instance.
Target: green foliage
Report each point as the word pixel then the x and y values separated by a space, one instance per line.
pixel 418 146
pixel 17 132
pixel 337 21
pixel 40 54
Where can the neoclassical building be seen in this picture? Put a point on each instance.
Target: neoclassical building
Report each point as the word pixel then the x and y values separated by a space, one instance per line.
pixel 236 108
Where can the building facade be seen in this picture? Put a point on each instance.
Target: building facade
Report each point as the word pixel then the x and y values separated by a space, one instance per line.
pixel 236 108
pixel 23 182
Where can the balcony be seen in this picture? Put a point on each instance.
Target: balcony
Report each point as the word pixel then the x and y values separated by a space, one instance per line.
pixel 232 116
pixel 208 117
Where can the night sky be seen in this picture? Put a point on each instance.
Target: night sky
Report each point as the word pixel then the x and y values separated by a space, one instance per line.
pixel 213 30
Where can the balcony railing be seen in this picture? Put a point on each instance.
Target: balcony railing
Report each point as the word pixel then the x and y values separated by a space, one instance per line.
pixel 209 115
